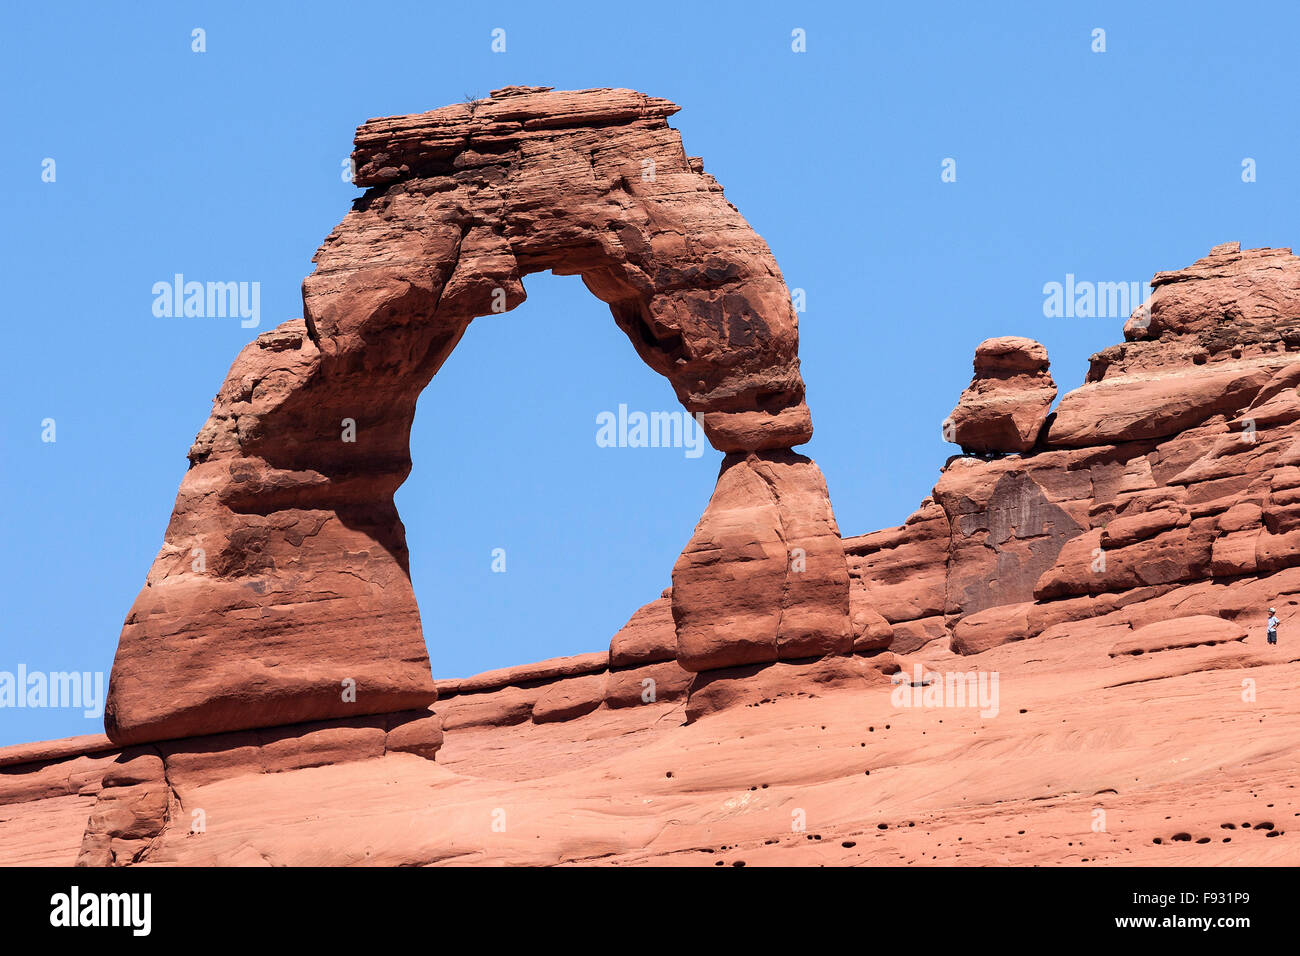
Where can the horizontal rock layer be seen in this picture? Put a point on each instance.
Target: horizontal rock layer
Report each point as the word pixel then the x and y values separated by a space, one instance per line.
pixel 107 806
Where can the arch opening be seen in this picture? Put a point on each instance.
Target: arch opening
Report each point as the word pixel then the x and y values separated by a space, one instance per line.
pixel 505 456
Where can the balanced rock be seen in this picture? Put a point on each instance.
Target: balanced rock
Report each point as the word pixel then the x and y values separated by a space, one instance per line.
pixel 1004 407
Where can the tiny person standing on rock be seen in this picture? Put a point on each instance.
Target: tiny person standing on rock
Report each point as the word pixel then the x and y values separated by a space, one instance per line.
pixel 1272 625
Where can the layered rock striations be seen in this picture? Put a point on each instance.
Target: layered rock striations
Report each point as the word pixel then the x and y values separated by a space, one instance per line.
pixel 1165 486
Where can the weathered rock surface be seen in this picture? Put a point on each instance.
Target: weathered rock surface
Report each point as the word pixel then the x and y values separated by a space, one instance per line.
pixel 764 577
pixel 133 809
pixel 1198 630
pixel 631 673
pixel 648 637
pixel 1209 338
pixel 281 594
pixel 47 793
pixel 1005 406
pixel 526 674
pixel 1231 299
pixel 1165 487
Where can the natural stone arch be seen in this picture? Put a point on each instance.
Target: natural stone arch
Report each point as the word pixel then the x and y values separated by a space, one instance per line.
pixel 283 574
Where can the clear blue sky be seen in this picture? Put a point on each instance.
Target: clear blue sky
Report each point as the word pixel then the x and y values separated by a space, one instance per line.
pixel 226 165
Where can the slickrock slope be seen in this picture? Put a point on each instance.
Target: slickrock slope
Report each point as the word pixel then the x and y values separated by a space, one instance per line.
pixel 1151 759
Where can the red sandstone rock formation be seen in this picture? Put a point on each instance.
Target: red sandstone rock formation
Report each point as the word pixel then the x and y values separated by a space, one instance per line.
pixel 1115 571
pixel 1166 486
pixel 281 593
pixel 1005 406
pixel 763 578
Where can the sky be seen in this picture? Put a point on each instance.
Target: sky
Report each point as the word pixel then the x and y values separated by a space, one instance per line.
pixel 919 171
